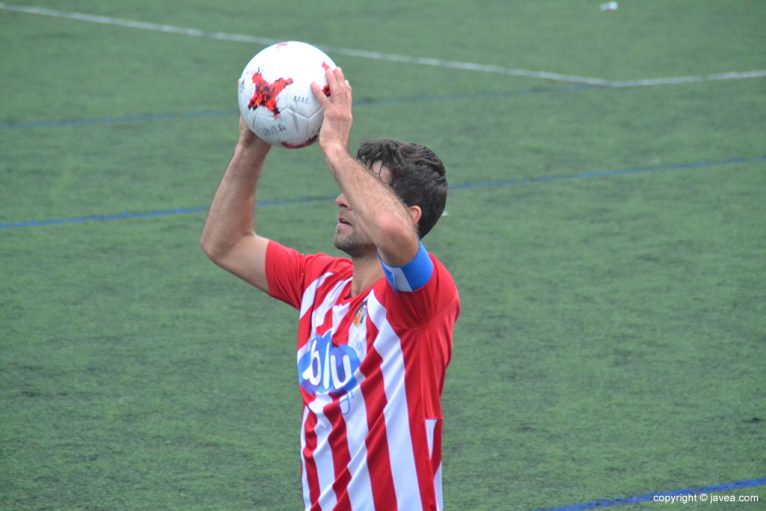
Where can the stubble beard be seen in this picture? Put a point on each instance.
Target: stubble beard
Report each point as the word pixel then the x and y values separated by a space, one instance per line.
pixel 354 245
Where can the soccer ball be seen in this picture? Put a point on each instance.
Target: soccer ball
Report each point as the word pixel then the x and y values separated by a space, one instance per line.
pixel 275 97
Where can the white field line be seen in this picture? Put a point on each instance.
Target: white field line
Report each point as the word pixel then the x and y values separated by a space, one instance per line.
pixel 652 82
pixel 222 36
pixel 422 61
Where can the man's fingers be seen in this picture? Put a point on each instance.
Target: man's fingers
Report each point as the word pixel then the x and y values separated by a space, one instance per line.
pixel 341 78
pixel 336 84
pixel 338 73
pixel 332 80
pixel 320 95
pixel 337 80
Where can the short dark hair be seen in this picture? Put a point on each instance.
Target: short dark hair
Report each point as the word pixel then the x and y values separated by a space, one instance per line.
pixel 418 176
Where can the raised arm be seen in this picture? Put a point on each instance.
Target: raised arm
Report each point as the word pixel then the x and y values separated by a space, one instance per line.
pixel 229 238
pixel 391 225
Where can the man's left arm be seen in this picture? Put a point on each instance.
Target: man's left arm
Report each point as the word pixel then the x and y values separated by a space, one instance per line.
pixel 390 224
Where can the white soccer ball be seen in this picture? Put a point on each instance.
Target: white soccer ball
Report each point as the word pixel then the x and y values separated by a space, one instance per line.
pixel 275 97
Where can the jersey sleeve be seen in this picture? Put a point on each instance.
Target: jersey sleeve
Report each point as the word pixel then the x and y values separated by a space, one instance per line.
pixel 285 272
pixel 420 290
pixel 289 273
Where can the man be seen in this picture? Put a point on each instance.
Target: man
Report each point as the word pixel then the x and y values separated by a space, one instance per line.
pixel 375 329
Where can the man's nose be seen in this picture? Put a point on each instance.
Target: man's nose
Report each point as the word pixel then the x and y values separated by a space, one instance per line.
pixel 341 202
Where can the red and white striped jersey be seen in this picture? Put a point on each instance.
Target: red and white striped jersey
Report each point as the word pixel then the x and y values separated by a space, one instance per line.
pixel 371 371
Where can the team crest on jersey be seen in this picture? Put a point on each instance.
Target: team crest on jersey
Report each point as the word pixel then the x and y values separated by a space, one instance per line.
pixel 361 314
pixel 327 368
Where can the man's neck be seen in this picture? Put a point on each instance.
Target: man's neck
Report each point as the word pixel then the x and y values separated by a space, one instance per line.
pixel 367 271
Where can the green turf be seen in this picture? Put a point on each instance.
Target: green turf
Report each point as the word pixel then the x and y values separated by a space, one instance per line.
pixel 613 335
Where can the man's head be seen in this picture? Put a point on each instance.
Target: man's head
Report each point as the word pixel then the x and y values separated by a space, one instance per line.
pixel 417 176
pixel 414 173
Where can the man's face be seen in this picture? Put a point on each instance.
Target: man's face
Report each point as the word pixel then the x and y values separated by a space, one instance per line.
pixel 350 235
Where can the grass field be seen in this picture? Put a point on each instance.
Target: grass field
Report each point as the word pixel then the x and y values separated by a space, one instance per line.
pixel 607 234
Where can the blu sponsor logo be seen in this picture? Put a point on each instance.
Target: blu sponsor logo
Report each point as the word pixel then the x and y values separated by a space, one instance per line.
pixel 327 368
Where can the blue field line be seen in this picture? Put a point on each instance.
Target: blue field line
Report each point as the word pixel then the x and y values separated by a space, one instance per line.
pixel 649 497
pixel 152 214
pixel 360 103
pixel 103 218
pixel 593 174
pixel 117 119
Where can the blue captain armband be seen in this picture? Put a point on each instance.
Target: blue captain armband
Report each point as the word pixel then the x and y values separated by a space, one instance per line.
pixel 413 275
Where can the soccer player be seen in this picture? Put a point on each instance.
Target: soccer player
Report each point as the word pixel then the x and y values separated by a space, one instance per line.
pixel 375 329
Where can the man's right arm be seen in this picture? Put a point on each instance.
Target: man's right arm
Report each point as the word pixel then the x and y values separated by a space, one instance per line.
pixel 229 238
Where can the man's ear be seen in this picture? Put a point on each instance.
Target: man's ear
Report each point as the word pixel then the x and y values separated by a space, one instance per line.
pixel 415 213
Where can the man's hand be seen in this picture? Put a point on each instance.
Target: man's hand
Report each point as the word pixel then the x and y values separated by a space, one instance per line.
pixel 246 135
pixel 248 141
pixel 336 126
